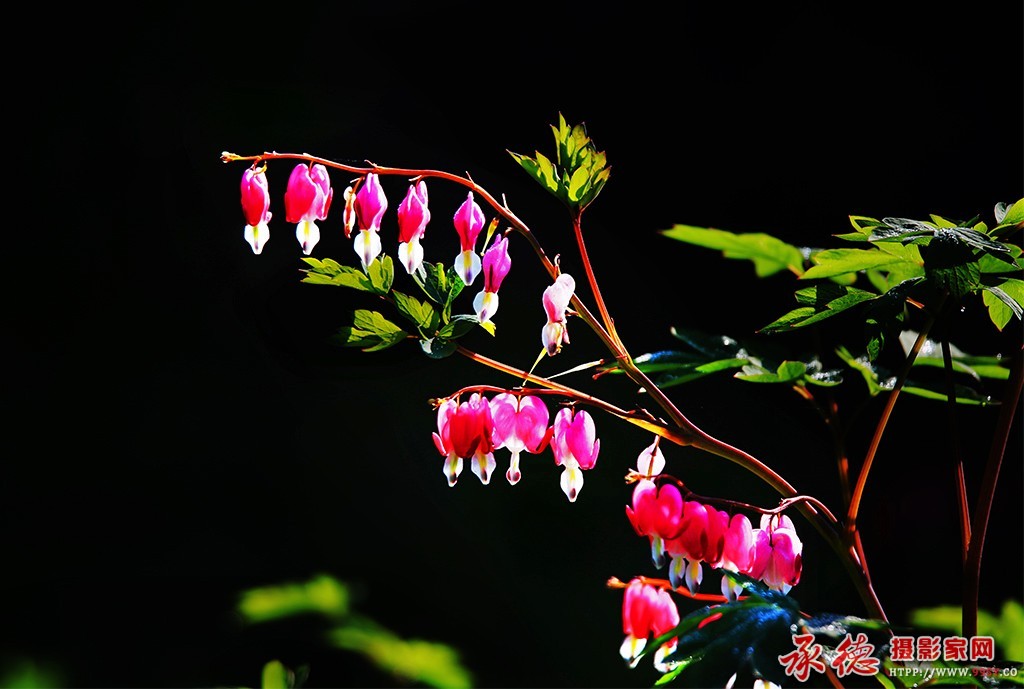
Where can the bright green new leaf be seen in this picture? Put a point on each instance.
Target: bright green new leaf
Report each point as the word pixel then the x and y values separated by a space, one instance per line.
pixel 330 272
pixel 834 262
pixel 322 595
pixel 1013 215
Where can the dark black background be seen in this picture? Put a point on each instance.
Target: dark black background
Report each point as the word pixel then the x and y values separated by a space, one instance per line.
pixel 179 427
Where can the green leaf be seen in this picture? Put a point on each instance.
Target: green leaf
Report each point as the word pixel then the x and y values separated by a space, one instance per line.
pixel 330 272
pixel 834 262
pixel 819 302
pixel 1004 301
pixel 1005 629
pixel 769 255
pixel 420 313
pixel 413 660
pixel 462 324
pixel 432 279
pixel 322 595
pixel 381 273
pixel 371 331
pixel 1014 215
pixel 950 264
pixel 277 676
pixel 788 372
pixel 759 624
pixel 373 322
pixel 438 347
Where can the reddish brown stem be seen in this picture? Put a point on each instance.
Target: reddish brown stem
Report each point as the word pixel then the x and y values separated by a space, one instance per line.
pixel 869 457
pixel 983 509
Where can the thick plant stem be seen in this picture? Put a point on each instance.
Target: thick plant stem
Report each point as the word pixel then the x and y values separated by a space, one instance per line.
pixel 869 457
pixel 602 308
pixel 983 508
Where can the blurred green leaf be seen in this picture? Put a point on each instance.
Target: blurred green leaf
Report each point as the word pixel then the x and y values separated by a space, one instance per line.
pixel 27 674
pixel 431 663
pixel 1007 629
pixel 768 254
pixel 277 676
pixel 322 595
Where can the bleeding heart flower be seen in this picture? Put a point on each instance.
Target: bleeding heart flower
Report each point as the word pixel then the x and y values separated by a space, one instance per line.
pixel 256 208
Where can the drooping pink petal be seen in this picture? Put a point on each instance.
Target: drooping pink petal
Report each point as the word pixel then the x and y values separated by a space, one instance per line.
pixel 370 203
pixel 255 197
pixel 413 214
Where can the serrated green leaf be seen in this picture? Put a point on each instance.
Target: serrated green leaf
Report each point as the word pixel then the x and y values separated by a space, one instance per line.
pixel 381 273
pixel 373 322
pixel 353 337
pixel 330 272
pixel 769 254
pixel 819 302
pixel 420 313
pixel 832 262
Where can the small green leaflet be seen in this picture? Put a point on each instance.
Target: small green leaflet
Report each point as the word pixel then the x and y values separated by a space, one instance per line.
pixel 330 272
pixel 381 273
pixel 371 332
pixel 579 171
pixel 420 313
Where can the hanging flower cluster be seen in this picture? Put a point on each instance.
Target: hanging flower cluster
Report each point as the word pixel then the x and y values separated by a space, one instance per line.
pixel 692 534
pixel 308 200
pixel 472 430
pixel 647 612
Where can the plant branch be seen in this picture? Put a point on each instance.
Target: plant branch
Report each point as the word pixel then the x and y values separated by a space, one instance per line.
pixel 865 470
pixel 983 508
